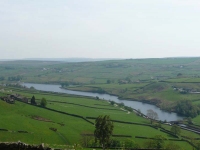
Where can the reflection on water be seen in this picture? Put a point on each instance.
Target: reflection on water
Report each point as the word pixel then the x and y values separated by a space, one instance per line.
pixel 162 115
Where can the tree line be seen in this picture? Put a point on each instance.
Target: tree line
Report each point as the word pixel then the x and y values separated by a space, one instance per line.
pixel 187 109
pixel 104 130
pixel 43 101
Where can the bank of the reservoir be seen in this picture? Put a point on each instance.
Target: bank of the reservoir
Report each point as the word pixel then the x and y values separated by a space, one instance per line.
pixel 162 115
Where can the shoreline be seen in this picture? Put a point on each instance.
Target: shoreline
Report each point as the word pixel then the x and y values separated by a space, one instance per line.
pixel 139 105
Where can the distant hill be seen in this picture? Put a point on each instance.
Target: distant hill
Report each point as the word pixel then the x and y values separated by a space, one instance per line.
pixel 72 59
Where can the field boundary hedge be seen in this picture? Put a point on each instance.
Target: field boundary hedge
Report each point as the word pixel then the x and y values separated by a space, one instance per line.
pixel 176 140
pixel 25 90
pixel 22 146
pixel 83 105
pixel 61 112
pixel 20 131
pixel 178 82
pixel 151 138
pixel 97 147
pixel 124 122
pixel 114 135
pixel 191 143
pixel 168 132
pixel 190 138
pixel 73 115
pixel 3 129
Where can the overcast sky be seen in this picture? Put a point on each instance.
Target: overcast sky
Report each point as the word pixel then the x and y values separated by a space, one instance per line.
pixel 99 28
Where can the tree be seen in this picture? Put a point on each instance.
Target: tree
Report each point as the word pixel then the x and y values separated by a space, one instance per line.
pixel 43 102
pixel 149 144
pixel 129 144
pixel 115 143
pixel 121 104
pixel 175 129
pixel 189 119
pixel 179 74
pixel 64 84
pixel 157 142
pixel 32 88
pixel 139 112
pixel 198 145
pixel 112 102
pixel 33 100
pixel 86 138
pixel 108 81
pixel 172 146
pixel 187 108
pixel 103 130
pixel 2 78
pixel 152 115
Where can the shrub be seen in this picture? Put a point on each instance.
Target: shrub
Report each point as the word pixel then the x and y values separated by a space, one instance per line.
pixel 43 102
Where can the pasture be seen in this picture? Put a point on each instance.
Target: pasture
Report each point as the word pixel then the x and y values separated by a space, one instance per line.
pixel 37 121
pixel 162 82
pixel 137 79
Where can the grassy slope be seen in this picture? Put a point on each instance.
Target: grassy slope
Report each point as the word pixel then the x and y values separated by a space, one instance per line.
pixel 143 69
pixel 18 116
pixel 97 73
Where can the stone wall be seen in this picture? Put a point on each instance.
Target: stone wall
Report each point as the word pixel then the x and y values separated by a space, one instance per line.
pixel 22 146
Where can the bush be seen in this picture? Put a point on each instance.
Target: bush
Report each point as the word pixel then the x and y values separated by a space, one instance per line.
pixel 100 90
pixel 43 102
pixel 128 108
pixel 112 102
pixel 129 143
pixel 108 81
pixel 53 129
pixel 121 104
pixel 115 143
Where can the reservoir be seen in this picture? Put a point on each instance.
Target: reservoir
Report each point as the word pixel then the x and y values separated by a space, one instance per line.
pixel 162 115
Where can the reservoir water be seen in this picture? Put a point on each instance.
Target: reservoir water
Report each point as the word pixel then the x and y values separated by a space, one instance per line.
pixel 162 115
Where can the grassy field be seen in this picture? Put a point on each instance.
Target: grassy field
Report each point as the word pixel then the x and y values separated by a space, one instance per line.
pixel 37 121
pixel 20 117
pixel 139 78
pixel 160 81
pixel 99 72
pixel 160 93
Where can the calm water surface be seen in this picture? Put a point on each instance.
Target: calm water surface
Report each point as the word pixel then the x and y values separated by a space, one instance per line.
pixel 162 115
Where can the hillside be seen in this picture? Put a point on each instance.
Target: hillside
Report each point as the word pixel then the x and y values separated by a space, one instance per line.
pixel 99 72
pixel 162 82
pixel 68 115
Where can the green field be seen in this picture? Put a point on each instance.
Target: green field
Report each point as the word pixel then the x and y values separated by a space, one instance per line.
pixel 37 121
pixel 99 72
pixel 132 78
pixel 162 82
